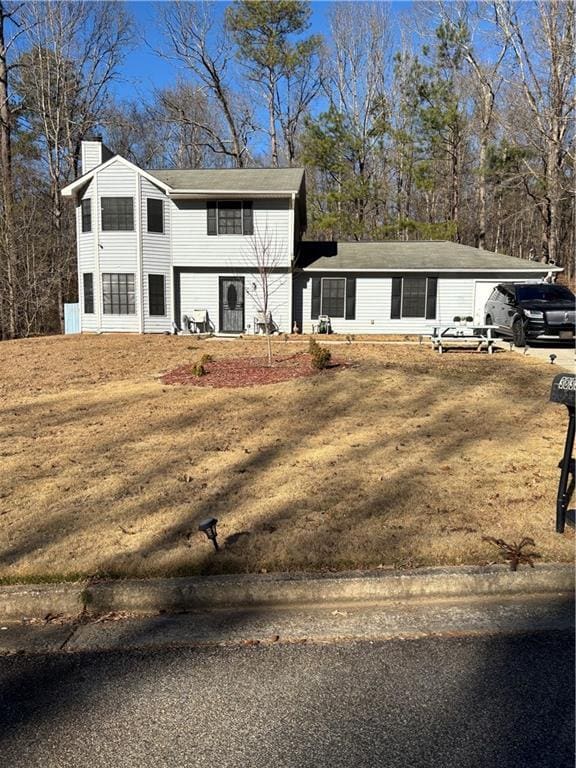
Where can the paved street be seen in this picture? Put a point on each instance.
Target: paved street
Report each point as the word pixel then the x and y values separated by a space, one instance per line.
pixel 477 702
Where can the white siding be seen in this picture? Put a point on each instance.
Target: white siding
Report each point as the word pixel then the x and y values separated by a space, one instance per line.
pixel 200 290
pixel 156 258
pixel 118 250
pixel 86 245
pixel 91 155
pixel 374 297
pixel 192 247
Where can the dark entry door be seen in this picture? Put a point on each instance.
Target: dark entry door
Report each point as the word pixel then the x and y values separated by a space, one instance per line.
pixel 232 304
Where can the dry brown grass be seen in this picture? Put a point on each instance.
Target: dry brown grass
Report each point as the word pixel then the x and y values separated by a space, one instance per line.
pixel 405 458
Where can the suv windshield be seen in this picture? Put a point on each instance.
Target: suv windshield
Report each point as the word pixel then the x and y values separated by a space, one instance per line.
pixel 543 292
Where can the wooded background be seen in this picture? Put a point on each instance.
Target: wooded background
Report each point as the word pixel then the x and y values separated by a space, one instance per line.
pixel 453 121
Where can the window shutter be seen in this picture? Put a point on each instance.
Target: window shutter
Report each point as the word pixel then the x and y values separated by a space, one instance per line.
pixel 316 287
pixel 350 298
pixel 248 223
pixel 396 298
pixel 431 291
pixel 211 217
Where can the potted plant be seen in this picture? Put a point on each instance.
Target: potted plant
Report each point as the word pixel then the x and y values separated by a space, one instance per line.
pixel 469 319
pixel 458 319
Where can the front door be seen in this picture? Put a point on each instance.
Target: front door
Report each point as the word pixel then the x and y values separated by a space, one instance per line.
pixel 232 305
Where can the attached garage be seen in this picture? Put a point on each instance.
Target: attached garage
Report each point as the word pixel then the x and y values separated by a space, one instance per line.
pixel 399 287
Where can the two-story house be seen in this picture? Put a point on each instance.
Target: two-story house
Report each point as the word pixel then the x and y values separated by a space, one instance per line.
pixel 158 247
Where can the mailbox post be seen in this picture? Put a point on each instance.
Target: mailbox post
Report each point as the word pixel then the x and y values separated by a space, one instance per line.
pixel 564 391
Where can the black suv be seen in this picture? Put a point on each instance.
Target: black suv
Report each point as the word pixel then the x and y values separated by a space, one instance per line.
pixel 532 311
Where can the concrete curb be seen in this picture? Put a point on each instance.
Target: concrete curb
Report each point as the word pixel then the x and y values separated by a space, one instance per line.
pixel 145 597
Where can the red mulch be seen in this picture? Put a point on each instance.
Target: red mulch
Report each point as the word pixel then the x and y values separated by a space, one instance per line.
pixel 245 371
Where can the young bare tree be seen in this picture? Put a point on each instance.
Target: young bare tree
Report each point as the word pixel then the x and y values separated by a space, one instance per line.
pixel 207 55
pixel 265 256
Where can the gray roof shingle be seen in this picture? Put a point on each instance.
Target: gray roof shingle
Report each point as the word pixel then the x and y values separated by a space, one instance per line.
pixel 430 255
pixel 233 180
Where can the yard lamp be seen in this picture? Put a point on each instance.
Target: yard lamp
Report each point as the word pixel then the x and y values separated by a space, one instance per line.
pixel 209 528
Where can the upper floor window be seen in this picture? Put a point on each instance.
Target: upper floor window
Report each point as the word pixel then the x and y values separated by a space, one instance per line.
pixel 86 211
pixel 118 293
pixel 414 297
pixel 230 217
pixel 117 214
pixel 155 211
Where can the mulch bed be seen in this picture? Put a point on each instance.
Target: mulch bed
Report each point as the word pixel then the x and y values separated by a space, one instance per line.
pixel 245 371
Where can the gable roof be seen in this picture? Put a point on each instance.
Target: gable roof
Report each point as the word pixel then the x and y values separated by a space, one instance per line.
pixel 411 256
pixel 215 181
pixel 78 183
pixel 233 180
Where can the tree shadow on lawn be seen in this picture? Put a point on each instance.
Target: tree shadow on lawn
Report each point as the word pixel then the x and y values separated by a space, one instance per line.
pixel 326 404
pixel 36 697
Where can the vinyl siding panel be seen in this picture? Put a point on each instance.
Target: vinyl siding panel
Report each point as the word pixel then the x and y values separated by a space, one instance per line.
pixel 193 247
pixel 456 296
pixel 118 250
pixel 200 290
pixel 156 258
pixel 91 155
pixel 86 245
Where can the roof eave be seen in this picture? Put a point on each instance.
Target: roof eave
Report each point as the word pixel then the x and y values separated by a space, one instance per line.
pixel 544 268
pixel 70 189
pixel 194 194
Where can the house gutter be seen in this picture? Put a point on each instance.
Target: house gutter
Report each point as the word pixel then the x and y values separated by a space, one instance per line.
pixel 403 270
pixel 212 194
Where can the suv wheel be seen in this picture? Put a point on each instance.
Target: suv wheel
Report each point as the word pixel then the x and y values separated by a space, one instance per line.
pixel 518 335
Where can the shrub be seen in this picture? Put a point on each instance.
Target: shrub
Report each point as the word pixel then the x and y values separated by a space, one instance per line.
pixel 198 369
pixel 321 357
pixel 312 346
pixel 206 358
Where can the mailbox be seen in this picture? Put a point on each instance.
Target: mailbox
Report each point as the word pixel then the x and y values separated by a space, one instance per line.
pixel 564 392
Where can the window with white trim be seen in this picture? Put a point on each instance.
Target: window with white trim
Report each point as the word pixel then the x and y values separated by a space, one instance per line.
pixel 118 293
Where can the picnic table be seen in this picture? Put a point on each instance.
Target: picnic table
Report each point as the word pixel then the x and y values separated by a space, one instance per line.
pixel 454 335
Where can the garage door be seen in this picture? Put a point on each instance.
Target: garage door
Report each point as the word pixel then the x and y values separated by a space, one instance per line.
pixel 482 289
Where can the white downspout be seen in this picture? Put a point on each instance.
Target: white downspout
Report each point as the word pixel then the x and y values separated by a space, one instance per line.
pixel 98 296
pixel 139 255
pixel 291 272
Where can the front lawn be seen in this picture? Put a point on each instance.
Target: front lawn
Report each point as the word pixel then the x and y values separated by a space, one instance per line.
pixel 400 458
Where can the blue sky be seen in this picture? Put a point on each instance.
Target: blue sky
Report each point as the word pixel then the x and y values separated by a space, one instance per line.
pixel 143 70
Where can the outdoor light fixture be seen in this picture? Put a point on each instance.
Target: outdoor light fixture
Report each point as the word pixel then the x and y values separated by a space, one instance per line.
pixel 209 528
pixel 552 358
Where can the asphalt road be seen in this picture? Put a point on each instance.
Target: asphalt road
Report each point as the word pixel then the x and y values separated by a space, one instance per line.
pixel 463 702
